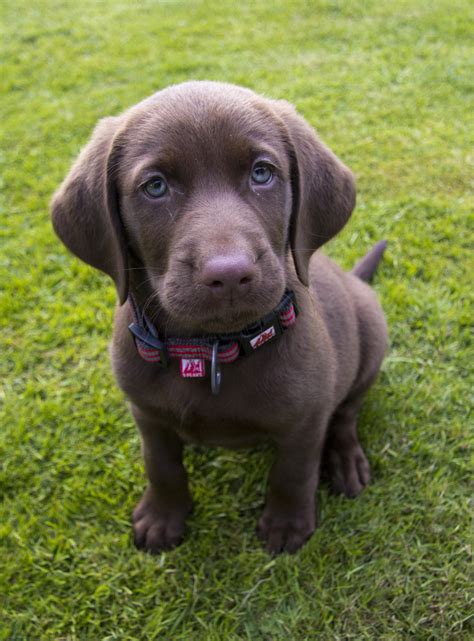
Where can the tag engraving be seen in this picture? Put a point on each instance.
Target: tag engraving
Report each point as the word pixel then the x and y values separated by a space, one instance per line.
pixel 192 368
pixel 262 338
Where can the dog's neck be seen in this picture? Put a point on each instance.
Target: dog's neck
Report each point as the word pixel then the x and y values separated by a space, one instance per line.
pixel 149 303
pixel 217 348
pixel 158 339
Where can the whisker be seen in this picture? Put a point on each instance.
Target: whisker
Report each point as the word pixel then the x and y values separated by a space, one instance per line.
pixel 130 269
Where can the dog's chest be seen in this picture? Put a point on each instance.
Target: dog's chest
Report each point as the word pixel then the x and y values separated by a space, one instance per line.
pixel 244 413
pixel 224 432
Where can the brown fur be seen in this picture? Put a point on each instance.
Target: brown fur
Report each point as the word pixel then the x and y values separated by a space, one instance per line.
pixel 301 392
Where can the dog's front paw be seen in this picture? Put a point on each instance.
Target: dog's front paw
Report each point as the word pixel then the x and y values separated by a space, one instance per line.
pixel 158 527
pixel 286 531
pixel 348 470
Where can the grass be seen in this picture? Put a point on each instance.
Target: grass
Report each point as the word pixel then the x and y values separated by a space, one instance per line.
pixel 388 85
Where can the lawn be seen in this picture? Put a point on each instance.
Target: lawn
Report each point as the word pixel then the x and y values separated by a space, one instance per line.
pixel 388 85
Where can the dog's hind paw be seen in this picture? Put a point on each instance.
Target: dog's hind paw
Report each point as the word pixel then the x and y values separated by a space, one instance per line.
pixel 348 470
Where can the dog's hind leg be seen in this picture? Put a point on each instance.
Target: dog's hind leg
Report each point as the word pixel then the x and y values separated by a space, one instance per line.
pixel 344 460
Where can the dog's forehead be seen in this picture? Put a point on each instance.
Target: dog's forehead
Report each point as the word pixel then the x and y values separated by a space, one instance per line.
pixel 203 116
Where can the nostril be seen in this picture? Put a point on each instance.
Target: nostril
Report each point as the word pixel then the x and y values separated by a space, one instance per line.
pixel 245 280
pixel 216 284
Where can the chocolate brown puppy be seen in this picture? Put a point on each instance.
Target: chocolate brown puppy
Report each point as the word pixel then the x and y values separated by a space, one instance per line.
pixel 206 204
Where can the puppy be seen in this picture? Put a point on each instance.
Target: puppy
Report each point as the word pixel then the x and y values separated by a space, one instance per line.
pixel 205 203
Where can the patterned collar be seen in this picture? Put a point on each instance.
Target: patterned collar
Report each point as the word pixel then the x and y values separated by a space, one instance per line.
pixel 216 348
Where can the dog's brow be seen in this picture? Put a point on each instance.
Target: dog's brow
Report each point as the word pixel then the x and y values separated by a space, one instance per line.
pixel 167 160
pixel 162 161
pixel 264 149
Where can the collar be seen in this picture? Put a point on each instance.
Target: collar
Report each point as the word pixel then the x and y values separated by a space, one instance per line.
pixel 217 348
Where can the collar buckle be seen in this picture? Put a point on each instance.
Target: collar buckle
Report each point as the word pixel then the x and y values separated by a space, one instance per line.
pixel 150 347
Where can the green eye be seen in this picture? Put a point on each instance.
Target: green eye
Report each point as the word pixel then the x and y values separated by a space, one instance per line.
pixel 262 173
pixel 156 187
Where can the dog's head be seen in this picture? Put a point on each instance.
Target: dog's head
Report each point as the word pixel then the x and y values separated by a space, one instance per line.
pixel 197 195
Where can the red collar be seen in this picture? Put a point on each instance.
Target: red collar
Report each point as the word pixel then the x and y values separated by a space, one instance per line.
pixel 216 348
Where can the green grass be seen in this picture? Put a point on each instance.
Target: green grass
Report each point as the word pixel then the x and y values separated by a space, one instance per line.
pixel 387 84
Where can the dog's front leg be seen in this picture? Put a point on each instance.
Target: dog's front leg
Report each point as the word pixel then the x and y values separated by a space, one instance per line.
pixel 289 517
pixel 159 518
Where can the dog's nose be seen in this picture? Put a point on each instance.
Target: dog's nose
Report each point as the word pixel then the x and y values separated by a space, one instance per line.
pixel 228 275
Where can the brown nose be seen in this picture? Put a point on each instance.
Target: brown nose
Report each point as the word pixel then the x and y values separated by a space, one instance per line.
pixel 228 275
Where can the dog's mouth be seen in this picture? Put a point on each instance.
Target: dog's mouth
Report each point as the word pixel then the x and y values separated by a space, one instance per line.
pixel 227 324
pixel 219 320
pixel 224 316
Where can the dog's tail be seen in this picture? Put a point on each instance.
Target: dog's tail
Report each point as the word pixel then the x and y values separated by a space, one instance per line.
pixel 366 267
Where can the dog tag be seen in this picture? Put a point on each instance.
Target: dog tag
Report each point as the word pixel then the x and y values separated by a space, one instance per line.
pixel 192 368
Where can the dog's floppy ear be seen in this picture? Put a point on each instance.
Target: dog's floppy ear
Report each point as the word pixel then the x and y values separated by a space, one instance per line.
pixel 85 208
pixel 323 189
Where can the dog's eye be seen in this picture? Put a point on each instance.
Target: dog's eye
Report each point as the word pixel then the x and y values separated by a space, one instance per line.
pixel 155 187
pixel 262 173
